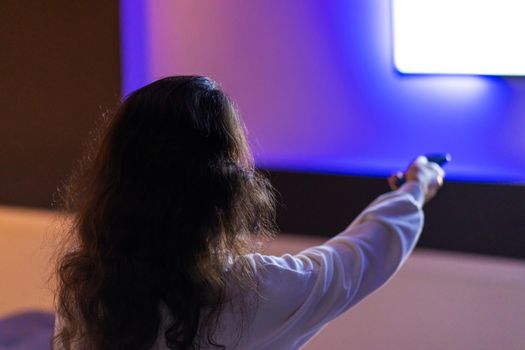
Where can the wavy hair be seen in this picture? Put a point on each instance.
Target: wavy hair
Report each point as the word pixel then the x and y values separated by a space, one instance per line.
pixel 160 207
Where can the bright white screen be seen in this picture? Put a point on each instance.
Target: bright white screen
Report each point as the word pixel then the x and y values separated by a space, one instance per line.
pixel 485 37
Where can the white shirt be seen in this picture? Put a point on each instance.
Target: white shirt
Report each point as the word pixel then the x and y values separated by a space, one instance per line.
pixel 299 294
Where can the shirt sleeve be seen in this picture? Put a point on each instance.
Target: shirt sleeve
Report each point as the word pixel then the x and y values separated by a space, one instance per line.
pixel 300 293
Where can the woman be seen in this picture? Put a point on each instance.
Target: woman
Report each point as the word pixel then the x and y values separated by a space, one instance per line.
pixel 168 210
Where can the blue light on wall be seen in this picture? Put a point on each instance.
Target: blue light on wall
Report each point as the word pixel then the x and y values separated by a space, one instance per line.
pixel 317 87
pixel 134 40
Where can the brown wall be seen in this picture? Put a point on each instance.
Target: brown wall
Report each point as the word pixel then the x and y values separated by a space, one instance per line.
pixel 59 69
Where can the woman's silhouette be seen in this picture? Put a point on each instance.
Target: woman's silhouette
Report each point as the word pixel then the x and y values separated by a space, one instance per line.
pixel 167 210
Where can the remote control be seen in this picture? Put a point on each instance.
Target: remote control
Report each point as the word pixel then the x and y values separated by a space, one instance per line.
pixel 439 158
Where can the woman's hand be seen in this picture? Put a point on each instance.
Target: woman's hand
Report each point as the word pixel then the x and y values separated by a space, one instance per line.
pixel 428 174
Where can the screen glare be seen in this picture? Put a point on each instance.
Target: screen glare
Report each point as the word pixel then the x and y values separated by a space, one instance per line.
pixel 481 37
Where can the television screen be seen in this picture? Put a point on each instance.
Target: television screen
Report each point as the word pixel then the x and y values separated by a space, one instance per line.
pixel 459 36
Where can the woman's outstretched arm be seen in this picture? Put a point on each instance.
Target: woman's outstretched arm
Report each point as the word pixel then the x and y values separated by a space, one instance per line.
pixel 301 293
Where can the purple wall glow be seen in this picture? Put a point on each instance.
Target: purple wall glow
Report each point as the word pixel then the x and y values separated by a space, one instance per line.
pixel 316 86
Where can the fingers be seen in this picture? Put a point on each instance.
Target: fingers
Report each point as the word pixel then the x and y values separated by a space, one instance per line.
pixel 439 174
pixel 421 160
pixel 434 166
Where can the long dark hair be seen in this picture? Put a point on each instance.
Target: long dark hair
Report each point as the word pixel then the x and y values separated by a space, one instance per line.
pixel 163 209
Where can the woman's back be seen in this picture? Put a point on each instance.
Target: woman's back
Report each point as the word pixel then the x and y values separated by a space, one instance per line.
pixel 165 199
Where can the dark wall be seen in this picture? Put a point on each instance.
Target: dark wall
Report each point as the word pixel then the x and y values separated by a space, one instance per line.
pixel 59 70
pixel 465 217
